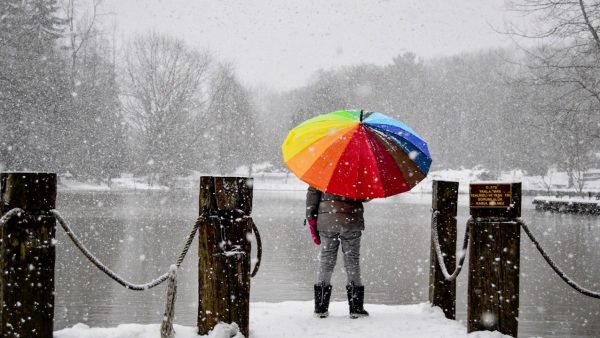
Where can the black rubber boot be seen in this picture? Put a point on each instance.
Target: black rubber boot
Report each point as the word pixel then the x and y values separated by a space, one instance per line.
pixel 356 297
pixel 322 296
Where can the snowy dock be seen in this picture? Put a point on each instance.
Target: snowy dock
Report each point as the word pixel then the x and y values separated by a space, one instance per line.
pixel 567 205
pixel 294 319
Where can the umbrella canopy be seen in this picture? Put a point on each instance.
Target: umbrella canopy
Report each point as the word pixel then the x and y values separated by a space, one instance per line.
pixel 357 154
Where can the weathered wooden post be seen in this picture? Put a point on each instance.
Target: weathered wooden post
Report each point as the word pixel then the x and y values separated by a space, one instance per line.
pixel 494 251
pixel 442 293
pixel 27 255
pixel 224 252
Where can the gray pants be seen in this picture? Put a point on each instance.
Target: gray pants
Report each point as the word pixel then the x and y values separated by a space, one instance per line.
pixel 330 241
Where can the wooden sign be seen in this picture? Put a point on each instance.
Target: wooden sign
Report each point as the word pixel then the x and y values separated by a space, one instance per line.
pixel 490 195
pixel 495 200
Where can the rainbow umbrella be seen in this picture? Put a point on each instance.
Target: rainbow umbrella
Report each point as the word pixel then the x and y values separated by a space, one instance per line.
pixel 357 154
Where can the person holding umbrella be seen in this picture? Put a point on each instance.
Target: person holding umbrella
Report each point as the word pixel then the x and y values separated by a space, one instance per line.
pixel 335 220
pixel 348 157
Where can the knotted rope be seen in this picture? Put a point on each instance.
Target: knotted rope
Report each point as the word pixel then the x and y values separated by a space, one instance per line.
pixel 438 250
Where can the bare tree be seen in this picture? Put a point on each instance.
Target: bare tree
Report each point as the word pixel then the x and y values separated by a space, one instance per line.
pixel 577 160
pixel 165 97
pixel 80 30
pixel 546 181
pixel 568 60
pixel 565 70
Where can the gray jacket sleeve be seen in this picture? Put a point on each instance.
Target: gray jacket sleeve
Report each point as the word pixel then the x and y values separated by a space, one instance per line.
pixel 313 197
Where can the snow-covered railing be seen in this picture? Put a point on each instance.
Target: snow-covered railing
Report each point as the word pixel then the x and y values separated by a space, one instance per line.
pixel 28 251
pixel 492 237
pixel 171 275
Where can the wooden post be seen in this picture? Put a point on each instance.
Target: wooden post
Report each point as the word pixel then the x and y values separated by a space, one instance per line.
pixel 494 251
pixel 224 252
pixel 27 255
pixel 442 293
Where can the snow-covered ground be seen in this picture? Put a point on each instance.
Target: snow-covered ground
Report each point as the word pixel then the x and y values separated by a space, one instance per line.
pixel 554 180
pixel 295 320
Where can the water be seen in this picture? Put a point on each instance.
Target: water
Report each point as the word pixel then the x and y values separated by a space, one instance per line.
pixel 140 234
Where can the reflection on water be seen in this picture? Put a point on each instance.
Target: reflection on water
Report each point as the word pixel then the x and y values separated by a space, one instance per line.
pixel 140 234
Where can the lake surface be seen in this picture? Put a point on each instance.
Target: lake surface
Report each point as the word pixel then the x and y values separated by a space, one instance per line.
pixel 139 234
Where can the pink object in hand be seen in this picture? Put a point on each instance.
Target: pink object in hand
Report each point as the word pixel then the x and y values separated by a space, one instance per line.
pixel 312 224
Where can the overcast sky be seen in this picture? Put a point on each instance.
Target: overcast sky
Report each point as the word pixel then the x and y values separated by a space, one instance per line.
pixel 279 44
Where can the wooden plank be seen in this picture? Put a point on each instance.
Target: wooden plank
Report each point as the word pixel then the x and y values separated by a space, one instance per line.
pixel 227 193
pixel 508 275
pixel 28 191
pixel 207 198
pixel 442 293
pixel 445 197
pixel 494 251
pixel 245 188
pixel 224 253
pixel 493 291
pixel 27 255
pixel 213 288
pixel 239 276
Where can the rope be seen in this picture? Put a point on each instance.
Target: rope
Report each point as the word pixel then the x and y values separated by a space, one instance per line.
pixel 438 249
pixel 166 330
pixel 113 275
pixel 10 214
pixel 258 249
pixel 554 267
